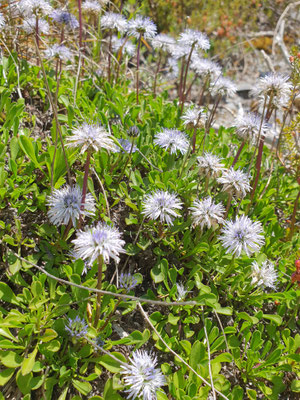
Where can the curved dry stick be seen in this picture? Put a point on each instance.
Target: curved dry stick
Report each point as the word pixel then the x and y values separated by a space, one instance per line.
pixel 208 355
pixel 175 354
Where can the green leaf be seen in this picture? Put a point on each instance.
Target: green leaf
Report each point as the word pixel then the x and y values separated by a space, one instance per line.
pixel 295 386
pixel 5 375
pixel 251 394
pixel 27 147
pixel 247 317
pixel 159 271
pixel 223 357
pixel 110 364
pixel 48 335
pixel 6 294
pixel 277 319
pixel 10 359
pixel 82 387
pixel 28 363
pixel 24 382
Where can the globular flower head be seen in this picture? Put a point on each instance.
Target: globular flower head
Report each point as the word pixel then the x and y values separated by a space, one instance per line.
pixel 141 26
pixel 209 164
pixel 59 51
pixel 65 205
pixel 29 26
pixel 223 86
pixel 190 37
pixel 102 240
pixel 116 21
pixel 36 7
pixel 207 213
pixel 247 125
pixel 128 146
pixel 77 328
pixel 181 292
pixel 275 87
pixel 143 379
pixel 65 18
pixel 90 137
pixel 163 41
pixel 123 45
pixel 173 140
pixel 161 205
pixel 264 275
pixel 194 117
pixel 235 182
pixel 172 68
pixel 2 21
pixel 127 282
pixel 133 131
pixel 204 67
pixel 179 50
pixel 91 6
pixel 242 236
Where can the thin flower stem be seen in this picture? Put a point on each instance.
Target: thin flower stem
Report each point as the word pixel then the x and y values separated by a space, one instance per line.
pixel 80 25
pixel 156 74
pixel 293 219
pixel 37 35
pixel 209 357
pixel 137 68
pixel 228 204
pixel 54 109
pixel 238 153
pixel 103 191
pixel 181 78
pixel 99 286
pixel 185 77
pixel 203 90
pixel 126 163
pixel 109 57
pixel 176 354
pixel 85 178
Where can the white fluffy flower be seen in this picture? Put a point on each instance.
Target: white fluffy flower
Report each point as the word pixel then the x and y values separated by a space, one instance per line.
pixel 178 50
pixel 64 17
pixel 223 86
pixel 248 125
pixel 194 117
pixel 172 68
pixel 190 37
pixel 207 213
pixel 172 139
pixel 181 292
pixel 124 45
pixel 91 136
pixel 141 26
pixel 163 41
pixel 242 236
pixel 162 205
pixel 116 21
pixel 102 240
pixel 210 164
pixel 275 87
pixel 65 204
pixel 29 25
pixel 264 275
pixel 37 7
pixel 60 51
pixel 2 21
pixel 143 379
pixel 235 182
pixel 91 6
pixel 203 67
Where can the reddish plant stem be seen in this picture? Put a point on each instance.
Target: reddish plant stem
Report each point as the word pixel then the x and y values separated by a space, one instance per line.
pixel 37 36
pixel 238 153
pixel 185 77
pixel 137 68
pixel 99 286
pixel 203 90
pixel 80 24
pixel 156 73
pixel 293 220
pixel 85 179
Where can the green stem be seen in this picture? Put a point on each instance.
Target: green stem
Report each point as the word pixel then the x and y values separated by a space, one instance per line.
pixel 99 287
